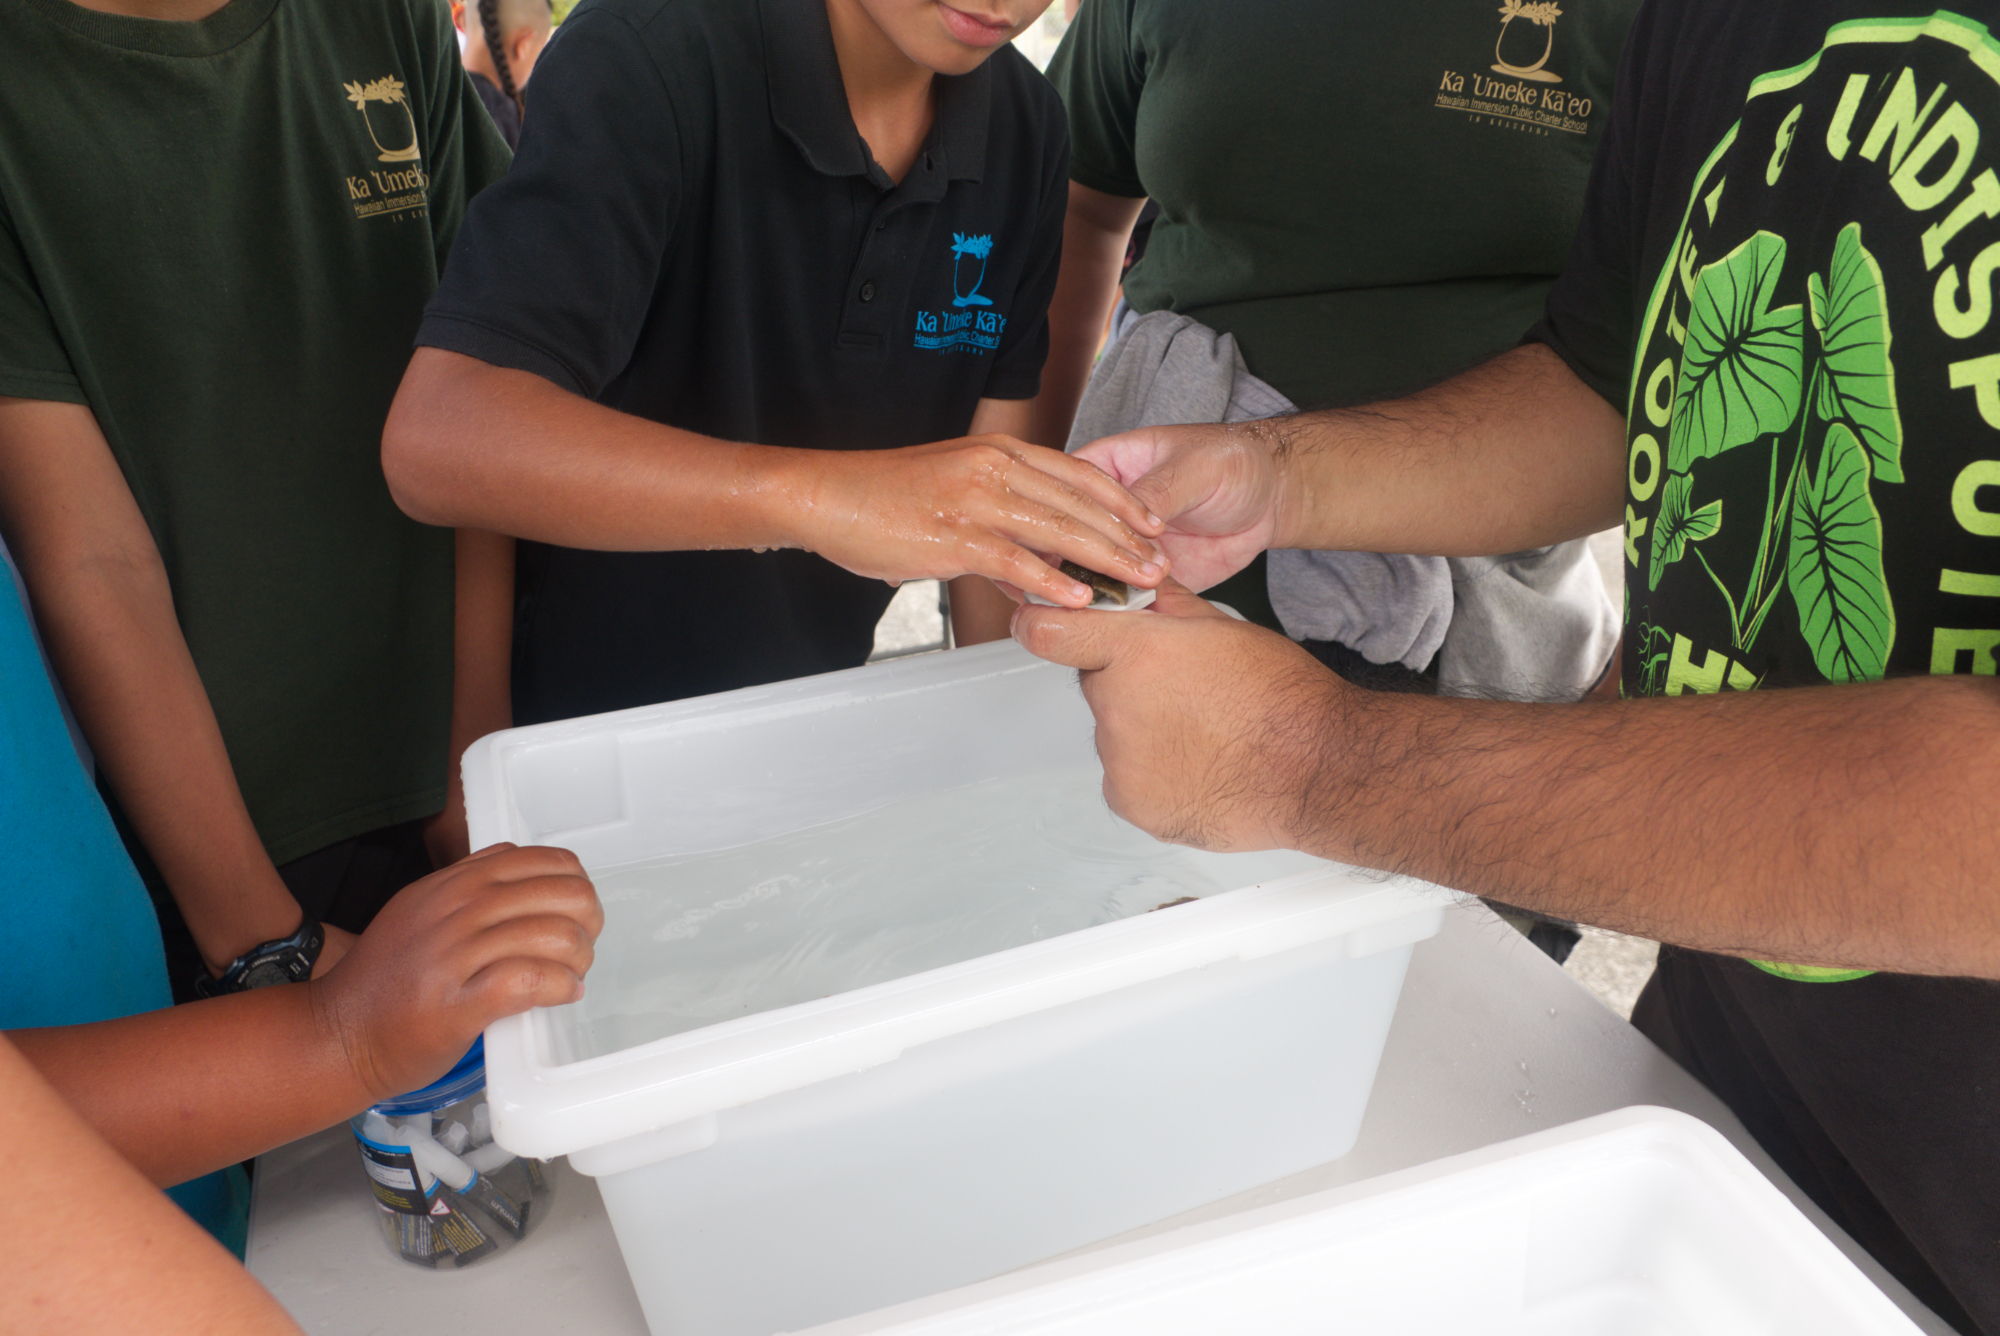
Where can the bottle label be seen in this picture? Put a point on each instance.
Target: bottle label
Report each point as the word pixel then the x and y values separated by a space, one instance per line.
pixel 392 1172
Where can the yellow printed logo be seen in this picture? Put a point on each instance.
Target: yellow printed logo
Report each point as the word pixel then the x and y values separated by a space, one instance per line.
pixel 389 92
pixel 1539 14
pixel 380 191
pixel 1523 97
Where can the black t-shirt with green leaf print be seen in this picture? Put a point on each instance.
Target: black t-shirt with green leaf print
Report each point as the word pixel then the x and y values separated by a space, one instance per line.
pixel 1785 280
pixel 1805 269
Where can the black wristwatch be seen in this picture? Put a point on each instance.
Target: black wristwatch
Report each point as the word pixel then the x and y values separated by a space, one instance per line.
pixel 287 960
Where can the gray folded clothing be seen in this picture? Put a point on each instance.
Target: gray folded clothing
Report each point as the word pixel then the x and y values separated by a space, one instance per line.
pixel 1167 369
pixel 1525 626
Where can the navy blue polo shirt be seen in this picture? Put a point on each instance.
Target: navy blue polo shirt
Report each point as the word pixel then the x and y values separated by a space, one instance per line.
pixel 694 232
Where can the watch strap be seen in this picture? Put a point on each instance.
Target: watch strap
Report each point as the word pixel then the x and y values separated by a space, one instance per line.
pixel 283 960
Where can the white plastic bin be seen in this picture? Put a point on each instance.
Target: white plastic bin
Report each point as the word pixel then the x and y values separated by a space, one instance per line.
pixel 1643 1222
pixel 783 1167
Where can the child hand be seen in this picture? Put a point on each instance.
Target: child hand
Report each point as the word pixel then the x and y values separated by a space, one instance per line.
pixel 339 941
pixel 981 505
pixel 502 931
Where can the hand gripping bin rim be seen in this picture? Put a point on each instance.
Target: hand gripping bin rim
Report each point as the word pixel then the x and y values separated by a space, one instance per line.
pixel 543 1106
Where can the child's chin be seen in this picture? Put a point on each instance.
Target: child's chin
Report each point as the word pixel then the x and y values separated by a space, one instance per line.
pixel 964 60
pixel 948 58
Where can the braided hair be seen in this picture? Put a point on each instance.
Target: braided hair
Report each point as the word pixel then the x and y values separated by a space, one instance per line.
pixel 489 24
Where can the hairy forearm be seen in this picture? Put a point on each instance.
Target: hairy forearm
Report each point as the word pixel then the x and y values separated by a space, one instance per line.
pixel 188 1090
pixel 1096 230
pixel 1827 826
pixel 484 447
pixel 1515 454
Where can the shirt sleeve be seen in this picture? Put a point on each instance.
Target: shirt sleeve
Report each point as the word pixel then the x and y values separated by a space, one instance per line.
pixel 1017 366
pixel 467 153
pixel 1589 318
pixel 558 261
pixel 33 362
pixel 1100 74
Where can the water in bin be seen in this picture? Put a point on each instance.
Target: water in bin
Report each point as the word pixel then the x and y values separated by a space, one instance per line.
pixel 913 885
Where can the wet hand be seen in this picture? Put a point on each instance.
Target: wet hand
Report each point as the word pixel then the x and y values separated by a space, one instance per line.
pixel 1220 490
pixel 502 931
pixel 983 505
pixel 1211 730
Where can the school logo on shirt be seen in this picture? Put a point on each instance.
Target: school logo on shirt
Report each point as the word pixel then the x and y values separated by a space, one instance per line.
pixel 1540 14
pixel 967 327
pixel 389 92
pixel 963 248
pixel 1522 98
pixel 392 128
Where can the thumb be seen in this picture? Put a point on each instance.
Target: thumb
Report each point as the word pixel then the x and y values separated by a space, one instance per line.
pixel 1171 489
pixel 1140 462
pixel 1075 637
pixel 1177 600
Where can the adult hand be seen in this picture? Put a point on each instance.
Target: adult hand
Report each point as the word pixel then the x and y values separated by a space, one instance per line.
pixel 504 930
pixel 1221 490
pixel 1212 731
pixel 981 505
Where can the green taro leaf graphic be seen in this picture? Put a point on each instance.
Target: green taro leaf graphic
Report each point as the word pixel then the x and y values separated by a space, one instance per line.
pixel 1852 316
pixel 1835 565
pixel 1740 372
pixel 1676 527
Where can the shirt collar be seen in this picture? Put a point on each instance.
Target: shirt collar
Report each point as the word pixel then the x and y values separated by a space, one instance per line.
pixel 964 103
pixel 809 104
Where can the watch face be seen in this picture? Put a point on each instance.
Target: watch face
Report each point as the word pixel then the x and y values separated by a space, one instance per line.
pixel 273 969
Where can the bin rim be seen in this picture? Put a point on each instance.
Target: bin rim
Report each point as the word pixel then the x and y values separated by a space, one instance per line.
pixel 544 1106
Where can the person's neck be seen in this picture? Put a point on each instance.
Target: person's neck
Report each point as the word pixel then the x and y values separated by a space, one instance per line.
pixel 170 11
pixel 888 94
pixel 479 60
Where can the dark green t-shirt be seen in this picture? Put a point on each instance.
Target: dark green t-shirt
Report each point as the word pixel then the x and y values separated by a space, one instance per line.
pixel 1370 197
pixel 220 236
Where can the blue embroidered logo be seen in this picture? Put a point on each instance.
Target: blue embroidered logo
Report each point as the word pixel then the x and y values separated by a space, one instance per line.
pixel 978 248
pixel 962 330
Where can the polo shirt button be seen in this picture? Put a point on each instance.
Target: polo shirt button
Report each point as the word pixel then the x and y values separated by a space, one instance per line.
pixel 867 292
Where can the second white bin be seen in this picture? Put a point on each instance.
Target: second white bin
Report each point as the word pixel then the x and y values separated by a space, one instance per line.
pixel 836 1153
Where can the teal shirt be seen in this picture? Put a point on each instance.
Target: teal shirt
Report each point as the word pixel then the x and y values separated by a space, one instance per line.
pixel 83 944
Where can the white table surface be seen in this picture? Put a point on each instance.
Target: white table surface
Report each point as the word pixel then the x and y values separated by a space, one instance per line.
pixel 1491 1041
